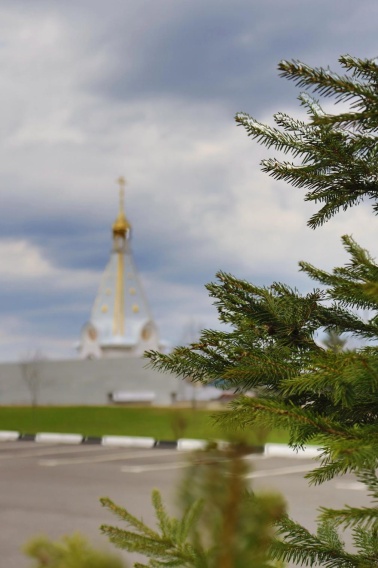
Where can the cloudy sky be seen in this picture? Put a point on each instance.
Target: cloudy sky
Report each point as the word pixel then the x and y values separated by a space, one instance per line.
pixel 90 90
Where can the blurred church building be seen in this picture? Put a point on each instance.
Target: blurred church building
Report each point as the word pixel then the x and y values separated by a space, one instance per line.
pixel 110 368
pixel 121 323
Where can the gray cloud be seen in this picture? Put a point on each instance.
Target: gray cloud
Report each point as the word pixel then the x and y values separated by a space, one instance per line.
pixel 90 90
pixel 220 51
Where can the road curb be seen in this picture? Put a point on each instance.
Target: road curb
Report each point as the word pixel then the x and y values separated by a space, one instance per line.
pixel 183 444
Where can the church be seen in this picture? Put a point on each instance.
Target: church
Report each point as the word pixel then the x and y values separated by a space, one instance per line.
pixel 110 368
pixel 121 323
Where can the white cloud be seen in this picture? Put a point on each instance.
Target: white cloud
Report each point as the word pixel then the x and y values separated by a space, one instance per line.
pixel 19 259
pixel 19 340
pixel 23 264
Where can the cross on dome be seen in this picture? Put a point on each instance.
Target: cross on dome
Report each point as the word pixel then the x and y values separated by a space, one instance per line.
pixel 122 183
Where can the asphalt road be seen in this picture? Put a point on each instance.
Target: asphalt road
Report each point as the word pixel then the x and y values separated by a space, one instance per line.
pixel 54 490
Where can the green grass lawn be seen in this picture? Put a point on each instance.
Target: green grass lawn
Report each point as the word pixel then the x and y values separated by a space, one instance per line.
pixel 159 423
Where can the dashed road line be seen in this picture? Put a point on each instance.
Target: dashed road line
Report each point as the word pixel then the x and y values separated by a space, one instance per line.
pixel 154 467
pixel 281 471
pixel 351 485
pixel 254 475
pixel 101 459
pixel 45 451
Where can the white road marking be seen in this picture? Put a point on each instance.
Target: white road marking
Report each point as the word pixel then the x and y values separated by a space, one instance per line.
pixel 107 457
pixel 281 471
pixel 253 475
pixel 352 485
pixel 256 457
pixel 46 450
pixel 154 467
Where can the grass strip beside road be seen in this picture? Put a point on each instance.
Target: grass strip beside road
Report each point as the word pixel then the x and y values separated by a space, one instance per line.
pixel 159 423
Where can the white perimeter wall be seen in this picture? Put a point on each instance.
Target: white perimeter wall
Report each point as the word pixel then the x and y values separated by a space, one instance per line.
pixel 83 382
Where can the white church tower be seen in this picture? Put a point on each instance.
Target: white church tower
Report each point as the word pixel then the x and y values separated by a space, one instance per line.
pixel 121 324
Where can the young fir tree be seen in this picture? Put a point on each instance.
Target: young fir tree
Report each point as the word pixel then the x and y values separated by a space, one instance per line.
pixel 223 525
pixel 334 341
pixel 330 395
pixel 70 552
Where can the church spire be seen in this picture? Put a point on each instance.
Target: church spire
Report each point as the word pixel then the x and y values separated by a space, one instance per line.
pixel 121 229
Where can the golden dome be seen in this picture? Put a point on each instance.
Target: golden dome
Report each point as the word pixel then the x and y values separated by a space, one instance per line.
pixel 121 225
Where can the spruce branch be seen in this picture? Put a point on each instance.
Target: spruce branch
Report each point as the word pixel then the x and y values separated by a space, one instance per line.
pixel 337 153
pixel 124 515
pixel 306 549
pixel 366 517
